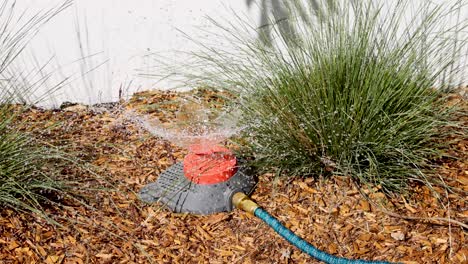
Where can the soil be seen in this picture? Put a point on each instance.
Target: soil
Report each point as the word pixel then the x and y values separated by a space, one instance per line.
pixel 331 213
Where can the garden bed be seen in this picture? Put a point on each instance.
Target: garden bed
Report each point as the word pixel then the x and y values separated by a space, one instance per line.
pixel 331 213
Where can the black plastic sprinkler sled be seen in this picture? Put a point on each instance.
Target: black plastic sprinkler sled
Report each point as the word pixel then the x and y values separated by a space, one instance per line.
pixel 210 180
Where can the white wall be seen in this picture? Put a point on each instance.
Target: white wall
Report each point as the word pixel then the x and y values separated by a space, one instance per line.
pixel 119 33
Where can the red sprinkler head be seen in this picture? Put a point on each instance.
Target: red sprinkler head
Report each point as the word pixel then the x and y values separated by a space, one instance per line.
pixel 209 164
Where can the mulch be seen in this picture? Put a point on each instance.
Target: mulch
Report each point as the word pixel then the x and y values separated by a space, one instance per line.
pixel 331 213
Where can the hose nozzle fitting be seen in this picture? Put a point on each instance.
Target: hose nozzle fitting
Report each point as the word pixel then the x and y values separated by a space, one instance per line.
pixel 243 202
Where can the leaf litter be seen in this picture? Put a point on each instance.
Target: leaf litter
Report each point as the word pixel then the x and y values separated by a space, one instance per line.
pixel 333 214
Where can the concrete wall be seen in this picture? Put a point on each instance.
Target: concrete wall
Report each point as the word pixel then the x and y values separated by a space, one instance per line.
pixel 103 43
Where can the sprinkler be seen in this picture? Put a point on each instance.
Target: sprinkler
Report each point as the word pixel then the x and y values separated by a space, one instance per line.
pixel 211 179
pixel 203 183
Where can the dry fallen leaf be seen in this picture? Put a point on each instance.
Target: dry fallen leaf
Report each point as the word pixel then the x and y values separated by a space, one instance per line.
pixel 104 256
pixel 52 259
pixel 398 235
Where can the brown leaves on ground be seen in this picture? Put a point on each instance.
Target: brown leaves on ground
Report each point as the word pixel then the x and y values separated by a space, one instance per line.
pixel 116 227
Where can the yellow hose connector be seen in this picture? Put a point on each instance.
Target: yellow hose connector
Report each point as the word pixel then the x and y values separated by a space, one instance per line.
pixel 243 202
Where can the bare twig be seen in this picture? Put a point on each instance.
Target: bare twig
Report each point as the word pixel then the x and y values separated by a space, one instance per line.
pixel 433 220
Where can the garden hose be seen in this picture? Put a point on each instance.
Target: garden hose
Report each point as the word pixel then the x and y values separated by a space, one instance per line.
pixel 243 202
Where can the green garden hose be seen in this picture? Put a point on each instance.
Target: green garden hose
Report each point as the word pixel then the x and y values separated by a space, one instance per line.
pixel 242 201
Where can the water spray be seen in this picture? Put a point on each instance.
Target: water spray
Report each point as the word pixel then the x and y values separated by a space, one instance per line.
pixel 211 179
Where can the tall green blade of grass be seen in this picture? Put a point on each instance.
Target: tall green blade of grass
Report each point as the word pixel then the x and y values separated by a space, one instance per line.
pixel 352 92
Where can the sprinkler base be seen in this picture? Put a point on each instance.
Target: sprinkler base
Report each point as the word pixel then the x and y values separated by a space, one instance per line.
pixel 179 194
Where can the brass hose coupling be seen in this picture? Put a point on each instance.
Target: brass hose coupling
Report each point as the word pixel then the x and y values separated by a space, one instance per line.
pixel 243 202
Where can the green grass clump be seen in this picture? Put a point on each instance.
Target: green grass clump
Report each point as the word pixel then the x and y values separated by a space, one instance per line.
pixel 30 170
pixel 348 90
pixel 27 178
